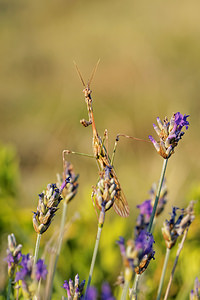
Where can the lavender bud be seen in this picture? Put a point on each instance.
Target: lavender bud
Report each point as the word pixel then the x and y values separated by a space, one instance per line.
pixel 169 134
pixel 13 255
pixel 71 188
pixel 47 207
pixel 195 293
pixel 74 290
pixel 105 191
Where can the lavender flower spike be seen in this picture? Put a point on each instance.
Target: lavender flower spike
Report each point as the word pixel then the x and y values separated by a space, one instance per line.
pixel 169 133
pixel 71 187
pixel 195 293
pixel 41 270
pixel 74 289
pixel 13 254
pixel 30 275
pixel 137 253
pixel 47 207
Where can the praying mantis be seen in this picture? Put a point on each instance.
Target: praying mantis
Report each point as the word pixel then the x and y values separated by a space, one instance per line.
pixel 103 160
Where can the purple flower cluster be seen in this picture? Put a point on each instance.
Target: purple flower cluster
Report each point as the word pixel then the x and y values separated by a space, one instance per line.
pixel 71 187
pixel 13 254
pixel 26 270
pixel 106 293
pixel 195 293
pixel 169 133
pixel 146 208
pixel 170 228
pixel 104 193
pixel 47 207
pixel 137 253
pixel 74 290
pixel 143 219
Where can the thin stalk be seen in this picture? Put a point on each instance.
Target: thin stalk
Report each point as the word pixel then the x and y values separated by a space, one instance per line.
pixel 150 227
pixel 100 226
pixel 37 246
pixel 60 239
pixel 134 292
pixel 125 290
pixel 163 274
pixel 175 262
pixel 9 288
pixel 157 194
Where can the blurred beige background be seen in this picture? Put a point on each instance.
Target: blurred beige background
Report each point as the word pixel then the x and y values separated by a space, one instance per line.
pixel 150 66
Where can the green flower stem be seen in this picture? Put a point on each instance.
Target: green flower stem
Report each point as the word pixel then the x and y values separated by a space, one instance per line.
pixel 125 290
pixel 163 274
pixel 157 194
pixel 100 226
pixel 60 239
pixel 150 227
pixel 175 262
pixel 9 288
pixel 37 246
pixel 134 292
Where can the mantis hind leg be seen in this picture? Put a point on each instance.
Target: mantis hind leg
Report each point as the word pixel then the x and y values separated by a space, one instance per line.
pixel 117 140
pixel 67 152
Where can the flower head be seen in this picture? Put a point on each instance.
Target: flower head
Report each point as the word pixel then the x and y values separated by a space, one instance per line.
pixel 137 253
pixel 74 289
pixel 106 293
pixel 170 227
pixel 169 133
pixel 105 191
pixel 146 208
pixel 47 207
pixel 26 270
pixel 143 219
pixel 41 270
pixel 92 293
pixel 71 187
pixel 195 293
pixel 176 226
pixel 30 275
pixel 13 254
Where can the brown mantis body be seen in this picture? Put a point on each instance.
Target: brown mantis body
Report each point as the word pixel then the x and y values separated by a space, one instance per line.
pixel 120 204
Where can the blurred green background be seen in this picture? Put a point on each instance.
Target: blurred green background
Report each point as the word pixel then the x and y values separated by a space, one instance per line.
pixel 150 66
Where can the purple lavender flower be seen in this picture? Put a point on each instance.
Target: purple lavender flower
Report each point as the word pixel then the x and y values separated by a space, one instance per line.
pixel 137 253
pixel 169 229
pixel 143 219
pixel 181 121
pixel 144 243
pixel 92 293
pixel 176 226
pixel 47 207
pixel 26 269
pixel 144 250
pixel 106 293
pixel 169 133
pixel 74 289
pixel 195 293
pixel 66 287
pixel 41 270
pixel 71 187
pixel 104 193
pixel 145 208
pixel 13 255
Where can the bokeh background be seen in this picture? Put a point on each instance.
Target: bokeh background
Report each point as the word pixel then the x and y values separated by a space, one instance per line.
pixel 149 66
